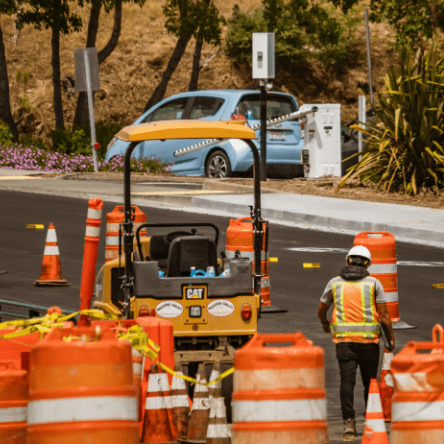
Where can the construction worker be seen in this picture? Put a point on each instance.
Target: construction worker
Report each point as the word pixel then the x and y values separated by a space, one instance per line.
pixel 355 327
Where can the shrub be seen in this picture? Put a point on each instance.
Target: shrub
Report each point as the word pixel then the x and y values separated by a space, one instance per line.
pixel 405 145
pixel 70 142
pixel 6 137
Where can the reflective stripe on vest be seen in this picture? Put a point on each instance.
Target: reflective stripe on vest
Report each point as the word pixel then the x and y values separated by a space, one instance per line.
pixel 354 309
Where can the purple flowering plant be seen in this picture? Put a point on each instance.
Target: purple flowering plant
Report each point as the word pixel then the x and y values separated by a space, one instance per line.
pixel 32 158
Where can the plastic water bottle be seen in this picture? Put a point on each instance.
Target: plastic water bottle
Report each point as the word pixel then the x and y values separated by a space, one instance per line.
pixel 210 271
pixel 225 273
pixel 160 273
pixel 193 272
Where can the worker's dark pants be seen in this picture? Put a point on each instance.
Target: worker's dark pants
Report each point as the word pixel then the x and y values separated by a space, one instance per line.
pixel 350 355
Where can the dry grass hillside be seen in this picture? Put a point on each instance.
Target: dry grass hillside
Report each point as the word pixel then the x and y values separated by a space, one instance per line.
pixel 130 74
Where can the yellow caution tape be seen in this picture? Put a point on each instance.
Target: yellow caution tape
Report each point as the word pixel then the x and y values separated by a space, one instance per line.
pixel 135 335
pixel 311 265
pixel 273 259
pixel 36 226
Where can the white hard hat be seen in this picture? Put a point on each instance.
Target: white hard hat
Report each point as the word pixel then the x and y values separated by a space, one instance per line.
pixel 361 251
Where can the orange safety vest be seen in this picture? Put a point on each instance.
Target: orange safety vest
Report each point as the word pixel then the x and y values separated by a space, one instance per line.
pixel 354 318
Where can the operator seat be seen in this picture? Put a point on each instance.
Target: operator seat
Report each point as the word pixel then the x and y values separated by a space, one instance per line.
pixel 191 251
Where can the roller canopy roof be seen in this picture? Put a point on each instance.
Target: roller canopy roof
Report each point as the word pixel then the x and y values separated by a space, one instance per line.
pixel 186 129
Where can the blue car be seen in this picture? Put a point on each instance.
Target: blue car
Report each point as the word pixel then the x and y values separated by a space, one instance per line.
pixel 227 158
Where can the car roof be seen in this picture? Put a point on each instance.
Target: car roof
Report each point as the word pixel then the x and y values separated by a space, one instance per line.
pixel 186 129
pixel 224 93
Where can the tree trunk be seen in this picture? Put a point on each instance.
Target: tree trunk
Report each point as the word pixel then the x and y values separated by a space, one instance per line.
pixel 56 83
pixel 112 42
pixel 178 52
pixel 81 116
pixel 5 103
pixel 196 66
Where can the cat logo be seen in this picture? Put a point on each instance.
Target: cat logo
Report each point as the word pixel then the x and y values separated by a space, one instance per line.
pixel 195 292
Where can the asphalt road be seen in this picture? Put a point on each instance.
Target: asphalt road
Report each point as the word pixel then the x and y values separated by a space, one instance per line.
pixel 294 289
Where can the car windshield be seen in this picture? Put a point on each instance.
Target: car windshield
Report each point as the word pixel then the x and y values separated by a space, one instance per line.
pixel 250 106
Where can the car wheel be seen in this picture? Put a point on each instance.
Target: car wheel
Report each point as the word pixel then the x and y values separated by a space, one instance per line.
pixel 218 165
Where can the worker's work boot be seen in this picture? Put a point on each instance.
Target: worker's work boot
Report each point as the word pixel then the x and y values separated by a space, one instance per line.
pixel 349 430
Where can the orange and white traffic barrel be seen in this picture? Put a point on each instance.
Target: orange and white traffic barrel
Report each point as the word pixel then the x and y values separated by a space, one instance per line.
pixel 382 246
pixel 13 403
pixel 279 391
pixel 81 389
pixel 240 237
pixel 418 397
pixel 114 219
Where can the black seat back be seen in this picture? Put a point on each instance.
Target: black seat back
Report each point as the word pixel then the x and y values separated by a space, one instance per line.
pixel 191 251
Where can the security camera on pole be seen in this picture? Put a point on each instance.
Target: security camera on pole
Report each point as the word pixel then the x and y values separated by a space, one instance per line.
pixel 87 80
pixel 263 69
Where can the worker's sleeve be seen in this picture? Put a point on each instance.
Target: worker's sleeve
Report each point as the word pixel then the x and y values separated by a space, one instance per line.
pixel 327 296
pixel 380 296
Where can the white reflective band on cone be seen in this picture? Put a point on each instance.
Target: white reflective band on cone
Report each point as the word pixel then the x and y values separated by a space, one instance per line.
pixel 51 236
pixel 94 214
pixel 51 251
pixel 417 411
pixel 201 404
pixel 93 408
pixel 282 410
pixel 374 403
pixel 155 403
pixel 377 425
pixel 218 431
pixel 112 240
pixel 92 231
pixel 386 361
pixel 179 401
pixel 12 414
pixel 137 368
pixel 382 268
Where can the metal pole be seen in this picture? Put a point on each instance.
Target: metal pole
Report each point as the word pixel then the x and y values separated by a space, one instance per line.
pixel 369 61
pixel 363 119
pixel 263 99
pixel 258 233
pixel 92 123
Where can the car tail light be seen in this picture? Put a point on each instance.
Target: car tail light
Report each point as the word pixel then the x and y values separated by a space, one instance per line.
pixel 238 117
pixel 246 312
pixel 144 311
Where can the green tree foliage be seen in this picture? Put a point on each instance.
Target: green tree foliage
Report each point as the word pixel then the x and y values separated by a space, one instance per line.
pixel 414 21
pixel 304 30
pixel 57 16
pixel 405 145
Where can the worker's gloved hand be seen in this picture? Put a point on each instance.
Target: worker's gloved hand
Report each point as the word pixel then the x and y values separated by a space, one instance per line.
pixel 326 327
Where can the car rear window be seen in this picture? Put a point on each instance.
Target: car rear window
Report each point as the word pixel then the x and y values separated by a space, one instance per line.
pixel 205 107
pixel 277 106
pixel 172 110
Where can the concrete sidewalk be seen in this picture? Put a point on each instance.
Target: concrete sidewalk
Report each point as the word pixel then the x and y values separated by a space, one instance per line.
pixel 410 224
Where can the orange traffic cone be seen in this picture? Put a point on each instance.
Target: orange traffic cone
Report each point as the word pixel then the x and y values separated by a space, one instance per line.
pixel 181 406
pixel 165 387
pixel 198 423
pixel 51 267
pixel 156 424
pixel 386 385
pixel 375 432
pixel 218 431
